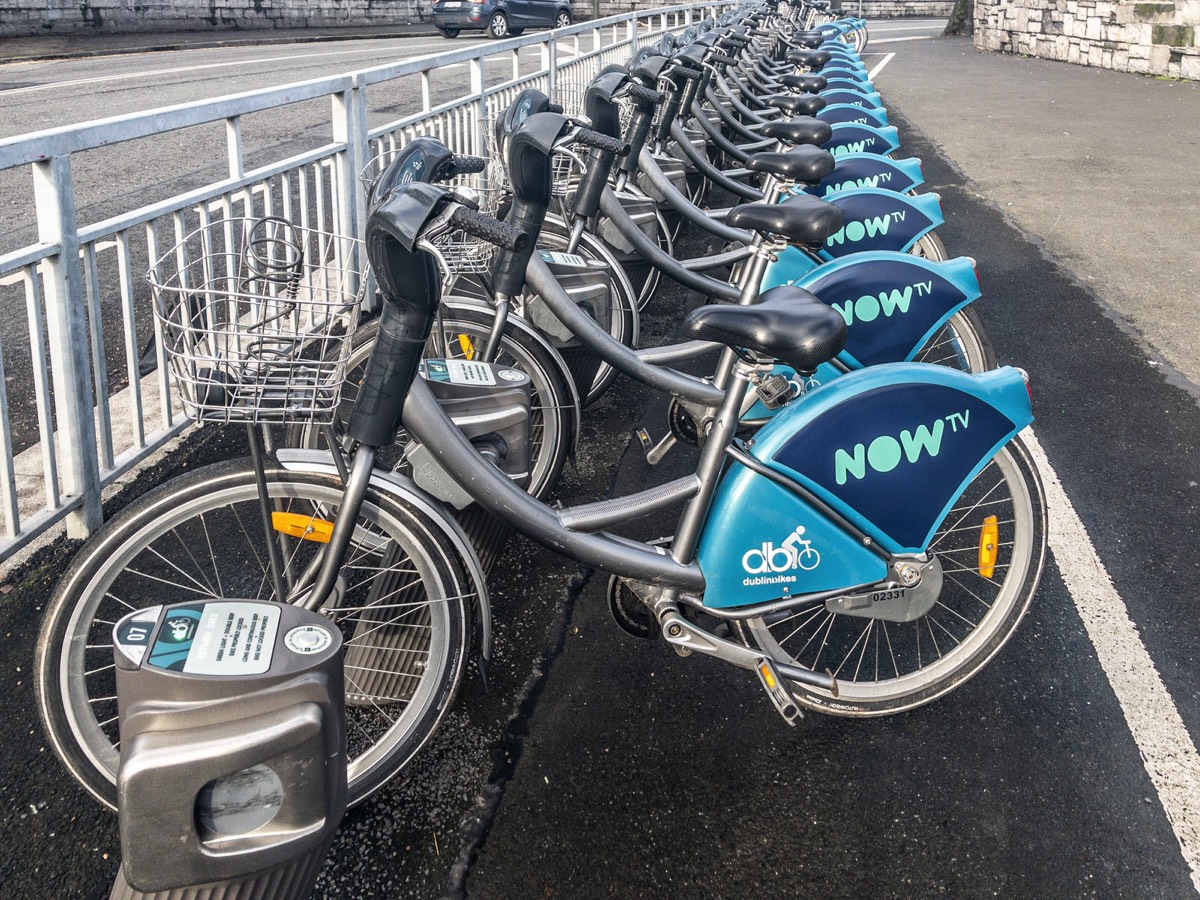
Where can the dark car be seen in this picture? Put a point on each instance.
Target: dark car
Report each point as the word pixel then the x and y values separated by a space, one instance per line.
pixel 499 18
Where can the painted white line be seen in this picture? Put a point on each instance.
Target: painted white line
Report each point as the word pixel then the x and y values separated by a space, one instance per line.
pixel 1167 750
pixel 878 30
pixel 915 37
pixel 150 73
pixel 883 62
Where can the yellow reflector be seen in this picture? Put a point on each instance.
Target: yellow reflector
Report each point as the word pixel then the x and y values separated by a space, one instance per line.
pixel 468 348
pixel 989 549
pixel 298 525
pixel 767 677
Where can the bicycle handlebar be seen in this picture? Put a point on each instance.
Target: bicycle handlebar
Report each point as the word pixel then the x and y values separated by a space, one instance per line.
pixel 486 228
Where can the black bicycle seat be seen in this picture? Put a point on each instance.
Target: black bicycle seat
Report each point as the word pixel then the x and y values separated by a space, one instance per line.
pixel 809 40
pixel 812 103
pixel 792 104
pixel 807 164
pixel 787 323
pixel 803 129
pixel 811 59
pixel 805 84
pixel 803 219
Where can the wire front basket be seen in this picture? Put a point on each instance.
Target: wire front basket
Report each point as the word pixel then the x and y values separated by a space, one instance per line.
pixel 256 318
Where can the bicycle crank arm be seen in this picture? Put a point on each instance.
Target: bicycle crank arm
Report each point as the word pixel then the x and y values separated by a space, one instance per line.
pixel 688 638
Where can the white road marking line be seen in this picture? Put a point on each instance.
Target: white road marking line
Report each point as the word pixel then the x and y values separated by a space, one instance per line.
pixel 915 37
pixel 148 73
pixel 1170 758
pixel 883 62
pixel 878 30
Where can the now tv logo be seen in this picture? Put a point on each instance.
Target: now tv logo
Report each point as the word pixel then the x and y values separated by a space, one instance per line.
pixel 870 307
pixel 886 452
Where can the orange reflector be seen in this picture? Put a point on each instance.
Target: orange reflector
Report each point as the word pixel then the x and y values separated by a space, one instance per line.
pixel 298 525
pixel 989 549
pixel 468 348
pixel 767 677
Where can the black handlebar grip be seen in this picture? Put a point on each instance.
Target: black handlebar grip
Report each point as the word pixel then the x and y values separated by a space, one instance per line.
pixel 467 165
pixel 599 141
pixel 644 95
pixel 685 72
pixel 483 226
pixel 720 59
pixel 554 108
pixel 761 32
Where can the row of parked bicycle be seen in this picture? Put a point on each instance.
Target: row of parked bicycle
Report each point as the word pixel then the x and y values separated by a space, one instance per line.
pixel 862 527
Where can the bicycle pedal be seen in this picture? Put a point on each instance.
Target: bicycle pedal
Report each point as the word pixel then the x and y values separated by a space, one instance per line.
pixel 655 455
pixel 781 698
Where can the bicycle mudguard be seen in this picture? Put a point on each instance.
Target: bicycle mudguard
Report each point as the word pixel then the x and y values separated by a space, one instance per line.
pixel 860 170
pixel 854 138
pixel 402 489
pixel 853 98
pixel 876 219
pixel 835 73
pixel 893 303
pixel 889 449
pixel 837 83
pixel 841 113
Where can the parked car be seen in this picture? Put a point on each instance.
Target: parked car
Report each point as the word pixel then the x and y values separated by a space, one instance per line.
pixel 499 18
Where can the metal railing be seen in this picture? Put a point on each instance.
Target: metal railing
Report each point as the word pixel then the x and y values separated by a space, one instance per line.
pixel 101 388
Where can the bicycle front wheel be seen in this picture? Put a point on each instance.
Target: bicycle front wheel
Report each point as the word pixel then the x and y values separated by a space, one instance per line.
pixel 887 667
pixel 404 609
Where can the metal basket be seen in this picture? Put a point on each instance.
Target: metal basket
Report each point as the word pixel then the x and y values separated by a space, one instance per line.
pixel 566 165
pixel 256 316
pixel 571 96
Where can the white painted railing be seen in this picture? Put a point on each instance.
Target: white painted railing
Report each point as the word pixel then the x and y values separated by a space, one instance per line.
pixel 101 408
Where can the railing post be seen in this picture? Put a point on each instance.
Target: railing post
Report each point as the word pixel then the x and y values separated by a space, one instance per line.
pixel 480 93
pixel 552 65
pixel 66 331
pixel 350 128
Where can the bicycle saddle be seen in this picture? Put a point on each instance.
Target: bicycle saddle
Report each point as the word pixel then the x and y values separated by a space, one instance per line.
pixel 811 104
pixel 787 323
pixel 807 39
pixel 803 219
pixel 807 164
pixel 812 59
pixel 802 130
pixel 792 104
pixel 805 84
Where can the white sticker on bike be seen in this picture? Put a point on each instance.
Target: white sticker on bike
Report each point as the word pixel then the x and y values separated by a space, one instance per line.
pixel 458 371
pixel 233 639
pixel 794 552
pixel 563 259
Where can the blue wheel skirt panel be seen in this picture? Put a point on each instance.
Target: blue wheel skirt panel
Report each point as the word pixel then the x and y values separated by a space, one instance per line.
pixel 891 448
pixel 840 73
pixel 853 98
pixel 849 138
pixel 876 219
pixel 893 303
pixel 858 170
pixel 744 555
pixel 855 115
pixel 849 84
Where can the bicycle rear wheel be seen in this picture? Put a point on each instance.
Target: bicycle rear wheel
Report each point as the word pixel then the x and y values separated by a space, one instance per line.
pixel 887 667
pixel 405 611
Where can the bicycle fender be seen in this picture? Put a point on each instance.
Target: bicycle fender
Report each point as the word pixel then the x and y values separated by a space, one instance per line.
pixel 859 170
pixel 892 447
pixel 852 138
pixel 848 113
pixel 892 302
pixel 877 219
pixel 402 489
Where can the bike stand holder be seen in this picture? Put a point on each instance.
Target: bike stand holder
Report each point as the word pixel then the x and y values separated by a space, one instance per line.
pixel 232 779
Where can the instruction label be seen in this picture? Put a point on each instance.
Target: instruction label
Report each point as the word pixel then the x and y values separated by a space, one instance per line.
pixel 227 638
pixel 459 371
pixel 563 259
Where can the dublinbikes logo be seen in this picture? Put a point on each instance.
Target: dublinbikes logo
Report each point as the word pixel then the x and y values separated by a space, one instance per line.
pixel 774 564
pixel 885 453
pixel 870 307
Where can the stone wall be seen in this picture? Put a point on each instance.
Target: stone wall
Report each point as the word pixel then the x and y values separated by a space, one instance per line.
pixel 1157 37
pixel 25 17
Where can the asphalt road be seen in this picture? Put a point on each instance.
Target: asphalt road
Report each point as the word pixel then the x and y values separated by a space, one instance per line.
pixel 600 766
